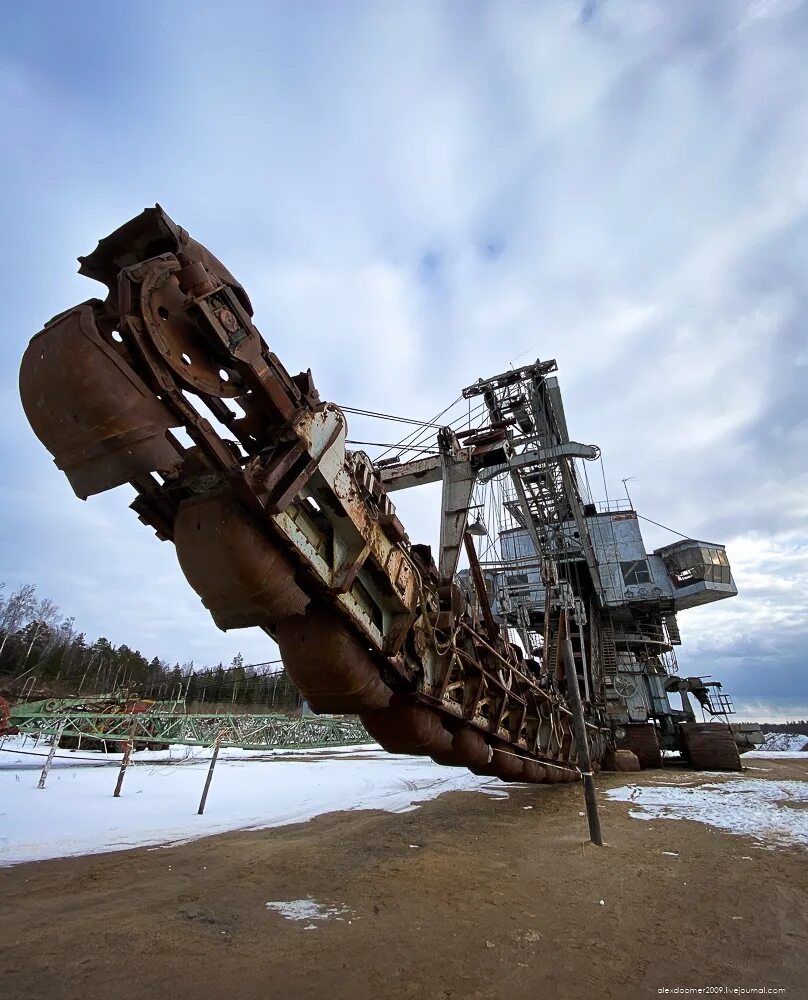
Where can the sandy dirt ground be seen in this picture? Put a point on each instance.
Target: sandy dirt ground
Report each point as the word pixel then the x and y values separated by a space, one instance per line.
pixel 501 898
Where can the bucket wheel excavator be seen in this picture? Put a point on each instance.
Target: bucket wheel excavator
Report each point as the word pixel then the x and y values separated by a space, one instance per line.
pixel 276 524
pixel 167 385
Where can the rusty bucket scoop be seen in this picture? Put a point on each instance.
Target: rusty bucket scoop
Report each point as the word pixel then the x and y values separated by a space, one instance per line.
pixel 92 412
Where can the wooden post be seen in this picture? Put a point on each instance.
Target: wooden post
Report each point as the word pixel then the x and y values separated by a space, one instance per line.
pixel 209 778
pixel 579 724
pixel 51 754
pixel 127 753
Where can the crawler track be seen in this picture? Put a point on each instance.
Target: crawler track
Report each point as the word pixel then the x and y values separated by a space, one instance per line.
pixel 641 740
pixel 711 747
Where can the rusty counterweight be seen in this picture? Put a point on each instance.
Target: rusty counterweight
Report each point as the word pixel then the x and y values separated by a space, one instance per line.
pixel 275 524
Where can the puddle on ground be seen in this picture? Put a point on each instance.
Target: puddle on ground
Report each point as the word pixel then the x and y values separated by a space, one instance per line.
pixel 308 909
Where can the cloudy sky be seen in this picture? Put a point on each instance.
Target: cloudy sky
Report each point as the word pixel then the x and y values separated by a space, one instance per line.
pixel 416 194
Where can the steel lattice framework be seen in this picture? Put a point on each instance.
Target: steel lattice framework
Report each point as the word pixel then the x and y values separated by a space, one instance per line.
pixel 250 732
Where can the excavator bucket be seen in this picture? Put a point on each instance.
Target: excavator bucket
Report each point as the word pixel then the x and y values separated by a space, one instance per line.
pixel 93 413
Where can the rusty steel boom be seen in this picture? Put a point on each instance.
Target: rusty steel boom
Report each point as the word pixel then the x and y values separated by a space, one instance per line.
pixel 275 523
pixel 166 384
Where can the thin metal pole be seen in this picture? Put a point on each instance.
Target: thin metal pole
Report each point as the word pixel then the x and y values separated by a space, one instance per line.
pixel 124 763
pixel 584 761
pixel 209 778
pixel 51 754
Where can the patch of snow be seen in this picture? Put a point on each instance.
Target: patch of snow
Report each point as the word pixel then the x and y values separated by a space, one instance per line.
pixel 764 810
pixel 790 742
pixel 76 814
pixel 30 752
pixel 306 909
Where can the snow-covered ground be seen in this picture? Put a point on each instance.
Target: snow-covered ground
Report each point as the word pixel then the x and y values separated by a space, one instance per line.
pixel 76 813
pixel 775 813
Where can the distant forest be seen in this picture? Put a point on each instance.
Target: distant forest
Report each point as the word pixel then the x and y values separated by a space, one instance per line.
pixel 43 654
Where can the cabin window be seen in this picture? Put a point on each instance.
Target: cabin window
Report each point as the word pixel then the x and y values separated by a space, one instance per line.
pixel 716 565
pixel 635 572
pixel 697 564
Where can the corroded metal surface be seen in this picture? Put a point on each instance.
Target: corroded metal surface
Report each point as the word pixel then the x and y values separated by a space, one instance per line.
pixel 275 524
pixel 642 740
pixel 92 411
pixel 711 746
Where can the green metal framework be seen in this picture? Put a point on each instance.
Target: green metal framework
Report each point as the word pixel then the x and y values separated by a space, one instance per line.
pixel 250 732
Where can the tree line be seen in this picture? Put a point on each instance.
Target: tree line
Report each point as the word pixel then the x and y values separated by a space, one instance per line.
pixel 42 653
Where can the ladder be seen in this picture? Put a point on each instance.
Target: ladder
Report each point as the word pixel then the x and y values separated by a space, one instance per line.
pixel 608 648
